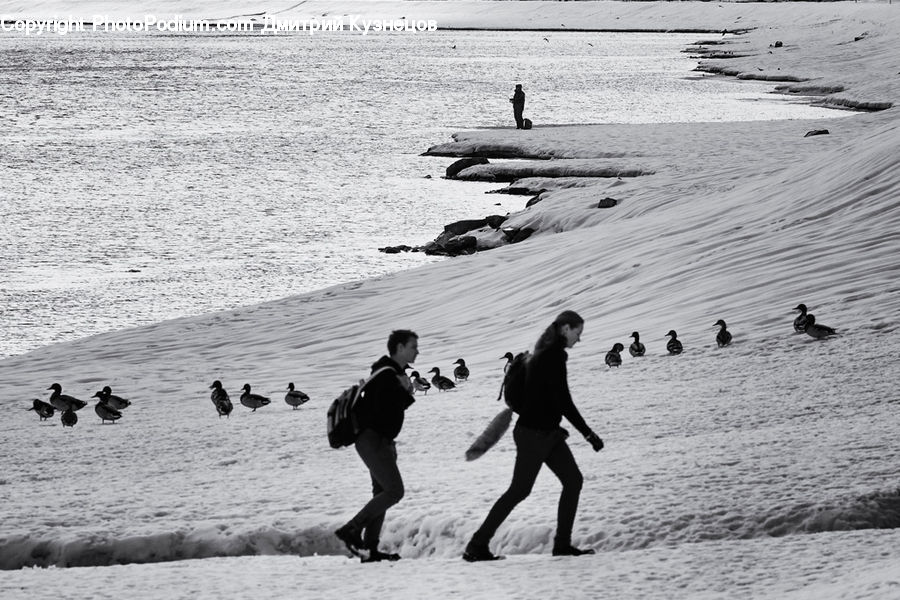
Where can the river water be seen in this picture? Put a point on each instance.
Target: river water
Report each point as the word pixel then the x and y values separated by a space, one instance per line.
pixel 148 176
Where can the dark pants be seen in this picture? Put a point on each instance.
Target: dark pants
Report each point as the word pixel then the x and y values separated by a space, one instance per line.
pixel 380 456
pixel 533 449
pixel 517 113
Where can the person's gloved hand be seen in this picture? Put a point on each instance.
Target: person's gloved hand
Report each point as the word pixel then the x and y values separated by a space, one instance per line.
pixel 595 441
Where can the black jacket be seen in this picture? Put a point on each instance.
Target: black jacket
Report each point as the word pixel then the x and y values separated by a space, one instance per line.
pixel 518 99
pixel 547 398
pixel 385 400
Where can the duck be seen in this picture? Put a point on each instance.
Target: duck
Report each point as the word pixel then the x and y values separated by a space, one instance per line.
pixel 420 384
pixel 220 399
pixel 817 331
pixel 106 412
pixel 509 358
pixel 674 345
pixel 636 348
pixel 440 382
pixel 43 409
pixel 62 402
pixel 114 402
pixel 462 371
pixel 295 397
pixel 69 418
pixel 800 320
pixel 613 358
pixel 253 401
pixel 723 337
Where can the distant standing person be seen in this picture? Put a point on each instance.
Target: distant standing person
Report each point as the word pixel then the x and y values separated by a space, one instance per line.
pixel 380 415
pixel 518 102
pixel 540 440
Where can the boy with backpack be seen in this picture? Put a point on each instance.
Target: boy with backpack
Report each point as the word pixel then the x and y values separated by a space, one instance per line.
pixel 379 413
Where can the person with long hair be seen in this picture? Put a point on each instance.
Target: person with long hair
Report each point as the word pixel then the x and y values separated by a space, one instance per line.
pixel 540 440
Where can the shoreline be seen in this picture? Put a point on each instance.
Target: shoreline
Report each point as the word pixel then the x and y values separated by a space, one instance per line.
pixel 473 234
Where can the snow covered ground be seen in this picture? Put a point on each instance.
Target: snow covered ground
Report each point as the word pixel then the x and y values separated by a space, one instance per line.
pixel 768 469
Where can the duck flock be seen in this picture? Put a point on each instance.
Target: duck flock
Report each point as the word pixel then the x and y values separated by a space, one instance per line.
pixel 293 398
pixel 109 407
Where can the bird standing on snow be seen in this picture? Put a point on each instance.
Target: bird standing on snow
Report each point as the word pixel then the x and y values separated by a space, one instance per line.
pixel 440 382
pixel 636 348
pixel 817 331
pixel 509 360
pixel 613 358
pixel 220 399
pixel 69 418
pixel 106 412
pixel 462 371
pixel 253 401
pixel 115 402
pixel 44 410
pixel 723 337
pixel 800 321
pixel 420 384
pixel 674 345
pixel 295 397
pixel 62 402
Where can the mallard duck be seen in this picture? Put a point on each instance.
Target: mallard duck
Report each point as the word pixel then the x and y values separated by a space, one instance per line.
pixel 420 384
pixel 723 337
pixel 817 331
pixel 62 402
pixel 106 412
pixel 613 358
pixel 462 371
pixel 116 402
pixel 440 382
pixel 800 321
pixel 253 401
pixel 295 397
pixel 636 348
pixel 674 346
pixel 44 410
pixel 220 399
pixel 69 418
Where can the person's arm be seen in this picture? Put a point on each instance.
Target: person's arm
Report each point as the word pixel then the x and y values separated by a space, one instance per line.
pixel 571 413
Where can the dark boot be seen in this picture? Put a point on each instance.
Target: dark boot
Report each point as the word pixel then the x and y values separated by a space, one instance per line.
pixel 477 553
pixel 351 537
pixel 570 550
pixel 378 556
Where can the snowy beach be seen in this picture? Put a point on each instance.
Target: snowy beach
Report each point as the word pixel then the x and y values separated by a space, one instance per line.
pixel 767 469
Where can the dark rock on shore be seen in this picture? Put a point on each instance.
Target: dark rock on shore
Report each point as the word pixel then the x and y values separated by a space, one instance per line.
pixel 514 236
pixel 397 249
pixel 607 202
pixel 453 241
pixel 464 163
pixel 451 246
pixel 534 200
pixel 461 227
pixel 514 190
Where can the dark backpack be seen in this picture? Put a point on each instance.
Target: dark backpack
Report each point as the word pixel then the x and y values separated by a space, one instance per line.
pixel 514 381
pixel 341 423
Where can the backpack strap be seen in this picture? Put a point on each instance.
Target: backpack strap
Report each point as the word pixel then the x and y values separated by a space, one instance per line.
pixel 377 372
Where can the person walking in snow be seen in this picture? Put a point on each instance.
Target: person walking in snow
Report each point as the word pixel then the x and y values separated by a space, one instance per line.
pixel 518 102
pixel 380 412
pixel 540 440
